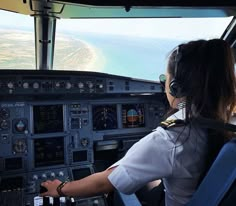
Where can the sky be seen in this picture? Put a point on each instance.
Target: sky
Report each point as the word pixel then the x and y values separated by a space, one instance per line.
pixel 177 28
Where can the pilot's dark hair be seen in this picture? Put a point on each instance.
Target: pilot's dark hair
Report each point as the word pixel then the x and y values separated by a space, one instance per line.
pixel 205 72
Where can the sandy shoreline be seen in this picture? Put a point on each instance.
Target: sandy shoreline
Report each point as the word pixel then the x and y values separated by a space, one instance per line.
pixel 69 53
pixel 81 56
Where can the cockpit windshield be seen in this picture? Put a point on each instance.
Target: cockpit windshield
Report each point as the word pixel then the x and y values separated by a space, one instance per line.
pixel 135 47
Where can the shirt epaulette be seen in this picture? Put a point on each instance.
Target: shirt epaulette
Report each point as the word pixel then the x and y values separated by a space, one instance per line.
pixel 172 123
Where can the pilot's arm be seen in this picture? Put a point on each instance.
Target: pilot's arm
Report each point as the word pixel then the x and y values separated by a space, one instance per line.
pixel 97 183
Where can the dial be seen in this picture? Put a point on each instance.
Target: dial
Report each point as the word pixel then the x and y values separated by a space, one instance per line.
pixel 20 146
pixel 20 125
pixel 4 124
pixel 84 142
pixel 4 113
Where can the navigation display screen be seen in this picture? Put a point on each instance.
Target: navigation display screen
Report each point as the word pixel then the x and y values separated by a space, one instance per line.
pixel 104 117
pixel 133 115
pixel 48 151
pixel 48 118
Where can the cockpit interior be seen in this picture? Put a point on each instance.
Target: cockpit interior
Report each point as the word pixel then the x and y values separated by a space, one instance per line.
pixel 68 124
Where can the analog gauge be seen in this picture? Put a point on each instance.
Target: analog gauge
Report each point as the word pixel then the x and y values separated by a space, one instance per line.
pixel 84 142
pixel 20 146
pixel 20 125
pixel 4 113
pixel 104 117
pixel 4 124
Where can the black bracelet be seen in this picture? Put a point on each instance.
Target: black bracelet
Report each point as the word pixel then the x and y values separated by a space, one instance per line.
pixel 59 188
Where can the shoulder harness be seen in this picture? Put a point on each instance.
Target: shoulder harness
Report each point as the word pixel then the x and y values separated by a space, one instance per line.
pixel 172 123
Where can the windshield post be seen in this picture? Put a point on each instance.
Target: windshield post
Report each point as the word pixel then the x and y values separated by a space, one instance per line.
pixel 45 27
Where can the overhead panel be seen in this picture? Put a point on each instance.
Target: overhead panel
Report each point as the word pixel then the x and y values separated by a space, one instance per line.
pixel 15 6
pixel 172 3
pixel 39 6
pixel 121 9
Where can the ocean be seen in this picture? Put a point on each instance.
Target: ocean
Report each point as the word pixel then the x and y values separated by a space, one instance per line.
pixel 136 57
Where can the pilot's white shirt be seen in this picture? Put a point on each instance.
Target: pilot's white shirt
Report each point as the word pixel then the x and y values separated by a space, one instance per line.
pixel 175 155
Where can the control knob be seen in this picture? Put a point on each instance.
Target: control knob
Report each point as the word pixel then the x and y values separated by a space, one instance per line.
pixel 35 177
pixel 57 84
pixel 100 86
pixel 35 85
pixel 44 176
pixel 61 174
pixel 25 85
pixel 81 85
pixel 90 85
pixel 53 175
pixel 10 85
pixel 68 85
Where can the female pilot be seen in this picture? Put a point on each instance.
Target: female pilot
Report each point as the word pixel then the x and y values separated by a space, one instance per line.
pixel 200 81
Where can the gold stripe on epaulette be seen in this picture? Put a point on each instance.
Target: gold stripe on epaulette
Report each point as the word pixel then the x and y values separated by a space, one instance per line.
pixel 171 123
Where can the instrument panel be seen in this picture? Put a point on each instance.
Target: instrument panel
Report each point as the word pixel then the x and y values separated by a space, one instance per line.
pixel 46 135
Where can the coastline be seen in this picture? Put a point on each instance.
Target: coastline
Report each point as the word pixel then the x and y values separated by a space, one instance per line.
pixel 77 55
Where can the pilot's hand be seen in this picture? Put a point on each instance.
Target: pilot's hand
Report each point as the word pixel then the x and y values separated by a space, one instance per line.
pixel 50 188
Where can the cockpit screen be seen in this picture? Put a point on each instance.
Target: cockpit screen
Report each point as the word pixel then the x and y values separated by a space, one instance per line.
pixel 81 173
pixel 48 151
pixel 104 117
pixel 133 115
pixel 48 118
